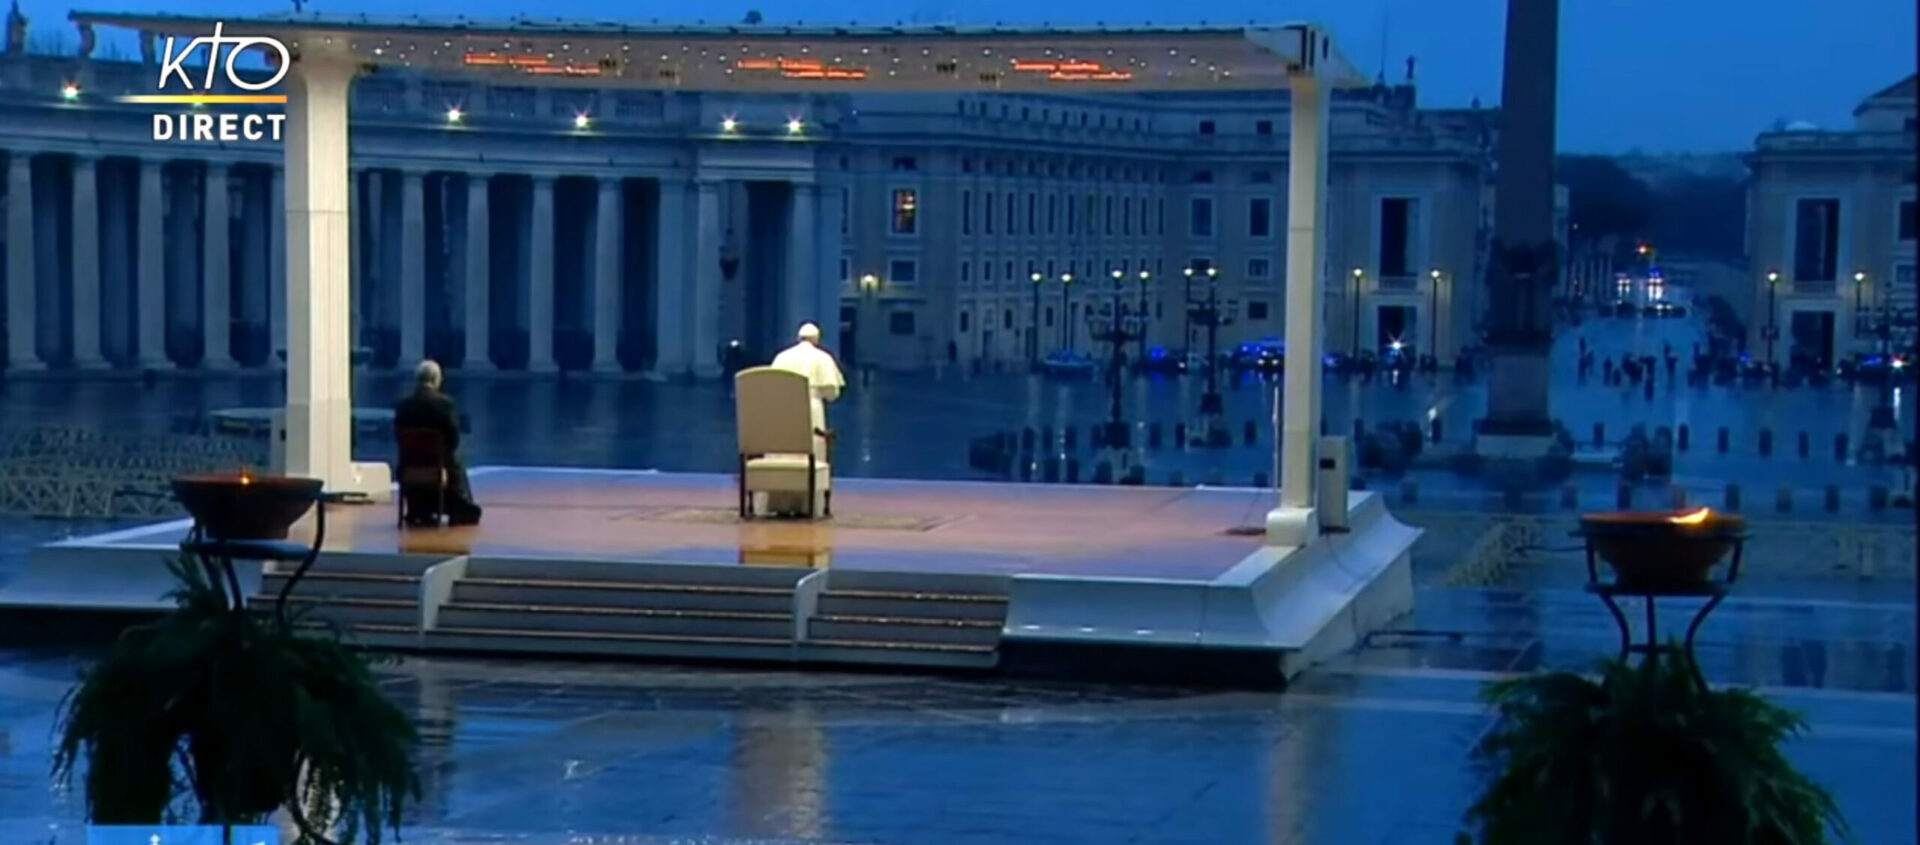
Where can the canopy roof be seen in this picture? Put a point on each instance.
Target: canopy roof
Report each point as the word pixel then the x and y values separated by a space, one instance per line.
pixel 801 58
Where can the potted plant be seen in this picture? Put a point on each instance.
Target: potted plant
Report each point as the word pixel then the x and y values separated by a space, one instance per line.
pixel 222 714
pixel 1645 755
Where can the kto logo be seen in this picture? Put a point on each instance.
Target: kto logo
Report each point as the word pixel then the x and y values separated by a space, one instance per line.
pixel 205 126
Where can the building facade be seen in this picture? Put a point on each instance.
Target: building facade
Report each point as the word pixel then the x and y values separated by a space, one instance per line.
pixel 505 227
pixel 1831 229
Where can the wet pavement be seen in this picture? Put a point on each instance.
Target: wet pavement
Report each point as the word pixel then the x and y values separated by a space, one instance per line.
pixel 1371 749
pixel 918 425
pixel 1374 748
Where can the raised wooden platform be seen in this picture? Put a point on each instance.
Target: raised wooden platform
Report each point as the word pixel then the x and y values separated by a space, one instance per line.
pixel 611 562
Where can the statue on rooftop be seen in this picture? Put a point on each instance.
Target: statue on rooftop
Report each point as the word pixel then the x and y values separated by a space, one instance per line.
pixel 147 53
pixel 16 30
pixel 87 41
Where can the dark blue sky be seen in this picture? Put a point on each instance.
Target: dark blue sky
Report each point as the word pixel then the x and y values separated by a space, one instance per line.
pixel 1658 75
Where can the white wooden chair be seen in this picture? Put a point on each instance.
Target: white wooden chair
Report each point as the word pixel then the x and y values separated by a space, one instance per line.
pixel 781 449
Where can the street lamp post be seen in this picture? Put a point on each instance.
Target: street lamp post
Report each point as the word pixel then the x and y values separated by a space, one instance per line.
pixel 1433 315
pixel 1354 336
pixel 863 330
pixel 1772 331
pixel 1066 312
pixel 1116 324
pixel 1211 313
pixel 1033 332
pixel 1145 314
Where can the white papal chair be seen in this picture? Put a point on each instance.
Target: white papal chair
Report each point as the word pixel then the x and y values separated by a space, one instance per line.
pixel 781 451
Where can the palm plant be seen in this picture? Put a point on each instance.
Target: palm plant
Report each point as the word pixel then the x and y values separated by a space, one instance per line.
pixel 224 714
pixel 1645 755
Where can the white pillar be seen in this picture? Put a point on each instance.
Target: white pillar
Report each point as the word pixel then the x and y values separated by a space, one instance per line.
pixel 216 306
pixel 319 386
pixel 23 351
pixel 704 349
pixel 151 271
pixel 86 265
pixel 608 277
pixel 413 269
pixel 802 272
pixel 276 266
pixel 478 288
pixel 670 280
pixel 1293 523
pixel 540 278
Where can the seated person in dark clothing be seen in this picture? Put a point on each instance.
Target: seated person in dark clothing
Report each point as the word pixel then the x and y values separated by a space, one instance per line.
pixel 429 408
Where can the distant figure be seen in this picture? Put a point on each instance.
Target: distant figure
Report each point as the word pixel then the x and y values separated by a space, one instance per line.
pixel 428 407
pixel 823 376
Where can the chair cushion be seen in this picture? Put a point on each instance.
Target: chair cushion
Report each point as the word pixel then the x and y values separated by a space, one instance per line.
pixel 790 463
pixel 785 473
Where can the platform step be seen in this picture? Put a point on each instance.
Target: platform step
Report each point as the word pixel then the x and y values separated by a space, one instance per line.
pixel 905 629
pixel 590 619
pixel 900 605
pixel 899 646
pixel 345 585
pixel 351 612
pixel 524 591
pixel 514 633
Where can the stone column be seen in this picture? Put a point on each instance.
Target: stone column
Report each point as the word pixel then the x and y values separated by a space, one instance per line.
pixel 832 246
pixel 607 277
pixel 319 387
pixel 413 269
pixel 277 265
pixel 478 288
pixel 150 334
pixel 356 254
pixel 216 295
pixel 670 280
pixel 256 246
pixel 1293 522
pixel 800 297
pixel 540 278
pixel 86 265
pixel 704 273
pixel 23 352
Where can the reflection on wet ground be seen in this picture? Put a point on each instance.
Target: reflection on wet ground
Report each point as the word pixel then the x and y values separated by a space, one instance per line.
pixel 1373 748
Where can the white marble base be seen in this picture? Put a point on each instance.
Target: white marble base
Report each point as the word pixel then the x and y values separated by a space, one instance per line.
pixel 1512 447
pixel 1300 603
pixel 1292 526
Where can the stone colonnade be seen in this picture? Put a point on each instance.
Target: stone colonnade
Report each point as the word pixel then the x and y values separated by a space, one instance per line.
pixel 110 264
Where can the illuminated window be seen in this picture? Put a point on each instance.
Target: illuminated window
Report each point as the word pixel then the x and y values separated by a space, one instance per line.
pixel 906 211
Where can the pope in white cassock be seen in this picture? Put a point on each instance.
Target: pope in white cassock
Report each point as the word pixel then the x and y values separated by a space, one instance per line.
pixel 823 375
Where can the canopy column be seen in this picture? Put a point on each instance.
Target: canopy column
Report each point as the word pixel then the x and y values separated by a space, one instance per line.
pixel 1293 522
pixel 319 412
